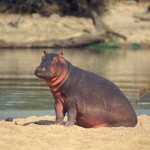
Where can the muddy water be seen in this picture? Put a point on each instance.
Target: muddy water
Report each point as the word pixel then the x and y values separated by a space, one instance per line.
pixel 22 94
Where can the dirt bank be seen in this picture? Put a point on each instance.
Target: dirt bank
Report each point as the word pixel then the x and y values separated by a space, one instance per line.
pixel 27 30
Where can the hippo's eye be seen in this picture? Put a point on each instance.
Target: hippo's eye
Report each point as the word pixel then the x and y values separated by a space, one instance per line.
pixel 55 59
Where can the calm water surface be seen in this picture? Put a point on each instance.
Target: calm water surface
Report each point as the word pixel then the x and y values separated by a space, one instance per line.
pixel 22 94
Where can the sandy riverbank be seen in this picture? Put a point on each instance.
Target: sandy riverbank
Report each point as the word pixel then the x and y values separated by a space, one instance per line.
pixel 27 135
pixel 122 18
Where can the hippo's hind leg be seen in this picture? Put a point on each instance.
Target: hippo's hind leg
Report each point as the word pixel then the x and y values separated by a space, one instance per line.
pixel 126 120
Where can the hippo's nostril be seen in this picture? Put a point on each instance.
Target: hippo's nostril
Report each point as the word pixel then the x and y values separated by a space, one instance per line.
pixel 40 69
pixel 43 69
pixel 42 73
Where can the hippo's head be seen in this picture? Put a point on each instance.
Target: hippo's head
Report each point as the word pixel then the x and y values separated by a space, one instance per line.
pixel 49 66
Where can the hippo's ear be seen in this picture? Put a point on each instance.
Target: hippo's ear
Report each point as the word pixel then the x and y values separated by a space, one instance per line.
pixel 61 54
pixel 44 52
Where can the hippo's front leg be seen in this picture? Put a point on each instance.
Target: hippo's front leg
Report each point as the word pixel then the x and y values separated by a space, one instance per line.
pixel 71 113
pixel 60 112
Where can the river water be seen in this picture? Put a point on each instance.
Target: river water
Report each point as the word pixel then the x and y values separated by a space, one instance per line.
pixel 22 94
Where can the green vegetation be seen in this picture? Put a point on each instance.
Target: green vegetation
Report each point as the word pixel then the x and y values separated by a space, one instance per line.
pixel 111 45
pixel 136 46
pixel 103 47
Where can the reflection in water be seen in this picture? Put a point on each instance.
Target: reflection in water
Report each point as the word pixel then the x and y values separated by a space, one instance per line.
pixel 22 94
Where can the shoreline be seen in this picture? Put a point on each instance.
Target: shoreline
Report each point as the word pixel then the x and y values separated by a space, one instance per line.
pixel 108 45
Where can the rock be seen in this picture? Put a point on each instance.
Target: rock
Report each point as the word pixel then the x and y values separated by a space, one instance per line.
pixel 145 98
pixel 54 17
pixel 36 15
pixel 9 119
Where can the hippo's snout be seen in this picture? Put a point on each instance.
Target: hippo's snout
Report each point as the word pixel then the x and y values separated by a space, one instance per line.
pixel 42 73
pixel 39 69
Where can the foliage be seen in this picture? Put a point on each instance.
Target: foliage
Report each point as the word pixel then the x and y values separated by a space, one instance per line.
pixel 110 45
pixel 103 47
pixel 47 7
pixel 136 46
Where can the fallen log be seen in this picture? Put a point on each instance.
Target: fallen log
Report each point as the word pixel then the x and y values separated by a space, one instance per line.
pixel 80 41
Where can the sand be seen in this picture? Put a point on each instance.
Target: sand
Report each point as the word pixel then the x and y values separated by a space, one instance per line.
pixel 24 134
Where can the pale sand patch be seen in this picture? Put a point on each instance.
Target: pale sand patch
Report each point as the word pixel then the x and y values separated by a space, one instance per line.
pixel 30 136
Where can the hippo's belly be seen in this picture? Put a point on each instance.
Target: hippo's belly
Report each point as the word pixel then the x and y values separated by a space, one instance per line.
pixel 89 120
pixel 104 112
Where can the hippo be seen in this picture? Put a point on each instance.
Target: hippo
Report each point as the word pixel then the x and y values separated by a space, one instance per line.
pixel 90 101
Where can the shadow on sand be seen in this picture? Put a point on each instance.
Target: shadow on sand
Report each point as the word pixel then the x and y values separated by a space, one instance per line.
pixel 40 122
